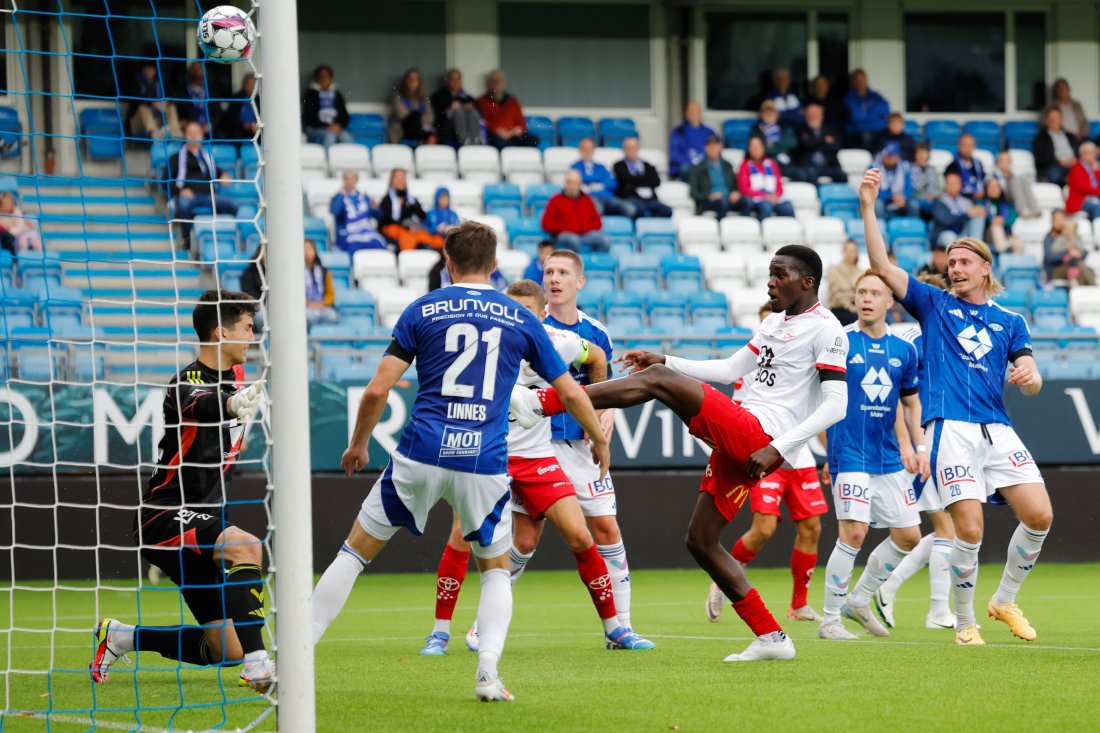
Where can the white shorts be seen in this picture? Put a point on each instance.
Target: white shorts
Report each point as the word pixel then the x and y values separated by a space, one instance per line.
pixel 929 500
pixel 597 498
pixel 878 499
pixel 968 463
pixel 407 490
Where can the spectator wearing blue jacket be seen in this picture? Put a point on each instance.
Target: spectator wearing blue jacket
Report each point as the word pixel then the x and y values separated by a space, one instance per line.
pixel 955 216
pixel 537 264
pixel 895 194
pixel 867 112
pixel 786 102
pixel 356 220
pixel 969 168
pixel 597 182
pixel 687 142
pixel 442 218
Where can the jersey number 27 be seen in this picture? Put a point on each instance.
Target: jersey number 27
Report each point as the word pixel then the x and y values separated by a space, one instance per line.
pixel 467 334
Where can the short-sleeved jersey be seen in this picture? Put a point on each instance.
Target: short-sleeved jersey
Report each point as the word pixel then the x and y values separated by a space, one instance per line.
pixel 563 426
pixel 535 443
pixel 880 372
pixel 468 342
pixel 201 441
pixel 966 350
pixel 786 388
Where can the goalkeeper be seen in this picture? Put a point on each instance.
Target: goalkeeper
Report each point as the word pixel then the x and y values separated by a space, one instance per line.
pixel 182 527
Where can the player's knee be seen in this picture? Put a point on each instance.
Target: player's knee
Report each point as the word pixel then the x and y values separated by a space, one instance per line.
pixel 524 544
pixel 764 530
pixel 1040 520
pixel 809 529
pixel 241 548
pixel 579 538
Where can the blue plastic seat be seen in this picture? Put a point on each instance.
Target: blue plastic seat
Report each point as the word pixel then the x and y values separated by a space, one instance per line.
pixel 737 131
pixel 622 310
pixel 613 130
pixel 101 128
pixel 367 129
pixel 525 234
pixel 667 310
pixel 1050 303
pixel 1019 268
pixel 337 263
pixel 225 157
pixel 682 273
pixel 542 127
pixel 640 273
pixel 914 130
pixel 655 233
pixel 353 303
pixel 987 134
pixel 537 196
pixel 619 231
pixel 1019 133
pixel 600 262
pixel 315 229
pixel 503 199
pixel 571 130
pixel 906 226
pixel 590 302
pixel 943 133
pixel 599 283
pixel 11 133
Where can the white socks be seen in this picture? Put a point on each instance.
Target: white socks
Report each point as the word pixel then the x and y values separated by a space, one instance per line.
pixel 910 566
pixel 880 564
pixel 333 589
pixel 838 574
pixel 615 557
pixel 964 575
pixel 1023 551
pixel 939 576
pixel 517 563
pixel 494 614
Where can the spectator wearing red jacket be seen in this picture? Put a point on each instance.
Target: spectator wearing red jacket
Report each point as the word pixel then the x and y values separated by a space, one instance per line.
pixel 761 182
pixel 571 218
pixel 503 116
pixel 1084 182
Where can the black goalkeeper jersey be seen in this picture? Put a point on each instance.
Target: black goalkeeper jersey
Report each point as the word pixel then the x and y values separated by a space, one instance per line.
pixel 201 442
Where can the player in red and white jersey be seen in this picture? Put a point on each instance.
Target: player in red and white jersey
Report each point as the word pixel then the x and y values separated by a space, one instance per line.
pixel 800 487
pixel 540 490
pixel 796 389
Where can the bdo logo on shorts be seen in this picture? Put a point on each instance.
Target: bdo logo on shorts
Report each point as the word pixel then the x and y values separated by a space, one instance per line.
pixel 460 442
pixel 853 492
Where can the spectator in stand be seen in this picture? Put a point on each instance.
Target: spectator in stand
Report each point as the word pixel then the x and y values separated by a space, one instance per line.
pixel 442 218
pixel 402 218
pixel 895 132
pixel 779 141
pixel 411 118
pixel 572 219
pixel 969 168
pixel 320 293
pixel 1057 226
pixel 713 183
pixel 1002 215
pixel 1065 257
pixel 253 277
pixel 194 182
pixel 152 114
pixel 1084 183
pixel 687 142
pixel 239 120
pixel 457 119
pixel 637 183
pixel 785 101
pixel 356 220
pixel 927 184
pixel 835 114
pixel 1017 188
pixel 324 111
pixel 23 235
pixel 1055 150
pixel 818 143
pixel 1074 120
pixel 955 216
pixel 867 112
pixel 598 182
pixel 937 265
pixel 761 183
pixel 843 277
pixel 538 263
pixel 895 195
pixel 503 115
pixel 195 88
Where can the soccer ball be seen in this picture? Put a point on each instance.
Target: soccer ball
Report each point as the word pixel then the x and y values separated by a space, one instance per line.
pixel 226 34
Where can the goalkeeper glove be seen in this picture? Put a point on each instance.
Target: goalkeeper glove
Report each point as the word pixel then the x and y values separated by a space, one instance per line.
pixel 243 404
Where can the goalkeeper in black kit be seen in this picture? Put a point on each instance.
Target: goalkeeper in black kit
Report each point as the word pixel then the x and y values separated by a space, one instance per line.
pixel 181 526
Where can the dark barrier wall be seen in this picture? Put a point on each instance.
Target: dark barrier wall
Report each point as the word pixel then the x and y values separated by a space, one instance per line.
pixel 653 511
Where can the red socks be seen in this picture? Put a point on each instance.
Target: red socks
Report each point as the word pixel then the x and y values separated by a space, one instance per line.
pixel 755 614
pixel 802 570
pixel 593 571
pixel 742 554
pixel 551 401
pixel 451 574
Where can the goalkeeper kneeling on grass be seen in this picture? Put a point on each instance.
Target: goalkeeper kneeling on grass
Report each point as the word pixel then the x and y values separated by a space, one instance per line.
pixel 181 525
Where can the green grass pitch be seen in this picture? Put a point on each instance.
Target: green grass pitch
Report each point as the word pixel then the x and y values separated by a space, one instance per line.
pixel 370 677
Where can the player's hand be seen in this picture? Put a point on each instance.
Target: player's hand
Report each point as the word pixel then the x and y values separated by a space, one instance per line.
pixel 638 360
pixel 244 404
pixel 909 458
pixel 826 477
pixel 601 455
pixel 354 459
pixel 1023 377
pixel 868 188
pixel 607 423
pixel 924 466
pixel 760 462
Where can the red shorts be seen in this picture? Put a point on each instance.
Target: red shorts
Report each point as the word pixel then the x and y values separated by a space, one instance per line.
pixel 799 487
pixel 734 434
pixel 537 484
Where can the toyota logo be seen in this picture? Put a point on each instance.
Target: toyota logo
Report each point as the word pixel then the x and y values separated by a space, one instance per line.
pixel 601 582
pixel 449 584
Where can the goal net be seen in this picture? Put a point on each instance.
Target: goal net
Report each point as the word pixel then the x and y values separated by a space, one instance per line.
pixel 101 268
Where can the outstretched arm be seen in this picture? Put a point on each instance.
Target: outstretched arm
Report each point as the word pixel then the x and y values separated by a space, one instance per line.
pixel 895 278
pixel 719 371
pixel 578 405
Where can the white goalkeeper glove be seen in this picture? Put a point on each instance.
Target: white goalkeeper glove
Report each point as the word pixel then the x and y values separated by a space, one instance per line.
pixel 243 404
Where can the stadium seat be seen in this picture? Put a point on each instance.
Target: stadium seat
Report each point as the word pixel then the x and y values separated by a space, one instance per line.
pixel 512 263
pixel 740 231
pixel 522 166
pixel 736 132
pixel 1015 300
pixel 556 161
pixel 374 269
pixel 11 133
pixel 349 157
pixel 986 157
pixel 677 196
pixel 385 157
pixel 838 197
pixel 543 128
pixel 1048 195
pixel 987 134
pixel 682 273
pixel 1084 304
pixel 914 130
pixel 698 234
pixel 497 224
pixel 803 197
pixel 780 230
pixel 392 301
pixel 537 195
pixel 465 194
pixel 640 273
pixel 1023 162
pixel 216 238
pixel 1049 302
pixel 600 262
pixel 654 233
pixel 657 158
pixel 503 199
pixel 1031 231
pixel 709 309
pixel 526 233
pixel 906 226
pixel 943 134
pixel 940 158
pixel 598 284
pixel 314 161
pixel 589 302
pixel 854 161
pixel 101 129
pixel 316 229
pixel 1020 133
pixel 355 304
pixel 622 310
pixel 734 156
pixel 367 129
pixel 413 266
pixel 620 232
pixel 436 161
pixel 613 130
pixel 824 230
pixel 667 310
pixel 226 158
pixel 757 268
pixel 607 157
pixel 1019 268
pixel 479 163
pixel 571 130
